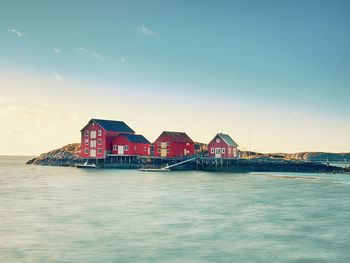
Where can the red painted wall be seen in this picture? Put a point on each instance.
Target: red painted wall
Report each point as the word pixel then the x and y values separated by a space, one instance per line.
pixel 142 149
pixel 86 142
pixel 175 149
pixel 102 149
pixel 230 151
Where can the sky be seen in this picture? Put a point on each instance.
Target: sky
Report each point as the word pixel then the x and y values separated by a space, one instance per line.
pixel 275 75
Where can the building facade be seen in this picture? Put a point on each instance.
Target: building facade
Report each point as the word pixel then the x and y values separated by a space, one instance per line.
pixel 131 144
pixel 97 136
pixel 222 146
pixel 173 144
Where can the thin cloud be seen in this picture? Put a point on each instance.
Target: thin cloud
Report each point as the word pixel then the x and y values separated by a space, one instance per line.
pixel 57 76
pixel 122 60
pixel 147 31
pixel 91 52
pixel 56 50
pixel 17 32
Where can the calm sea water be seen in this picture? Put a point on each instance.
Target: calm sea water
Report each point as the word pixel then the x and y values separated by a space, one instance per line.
pixel 55 214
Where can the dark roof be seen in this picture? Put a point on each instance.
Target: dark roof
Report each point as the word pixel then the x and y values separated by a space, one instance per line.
pixel 135 138
pixel 118 126
pixel 227 139
pixel 176 136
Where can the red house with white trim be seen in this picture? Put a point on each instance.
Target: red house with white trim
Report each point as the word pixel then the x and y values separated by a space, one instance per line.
pixel 131 144
pixel 173 144
pixel 222 146
pixel 97 137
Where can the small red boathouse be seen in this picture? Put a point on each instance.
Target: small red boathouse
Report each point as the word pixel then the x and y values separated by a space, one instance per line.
pixel 131 144
pixel 222 146
pixel 173 144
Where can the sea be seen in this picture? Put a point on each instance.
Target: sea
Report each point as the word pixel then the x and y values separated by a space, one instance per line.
pixel 66 214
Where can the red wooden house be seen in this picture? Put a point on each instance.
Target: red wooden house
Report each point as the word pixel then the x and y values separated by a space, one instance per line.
pixel 131 144
pixel 222 146
pixel 97 137
pixel 173 144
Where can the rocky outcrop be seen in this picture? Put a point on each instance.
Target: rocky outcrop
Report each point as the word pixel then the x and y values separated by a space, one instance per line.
pixel 68 155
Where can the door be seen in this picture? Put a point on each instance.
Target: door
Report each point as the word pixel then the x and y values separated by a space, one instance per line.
pixel 163 152
pixel 93 153
pixel 217 152
pixel 120 149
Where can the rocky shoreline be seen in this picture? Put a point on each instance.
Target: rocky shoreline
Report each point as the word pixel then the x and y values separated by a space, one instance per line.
pixel 69 155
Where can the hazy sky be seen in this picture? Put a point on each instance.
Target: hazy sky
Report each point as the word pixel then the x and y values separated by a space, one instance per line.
pixel 279 69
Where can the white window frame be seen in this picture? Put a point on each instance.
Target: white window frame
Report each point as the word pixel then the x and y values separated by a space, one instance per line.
pixel 223 150
pixel 158 150
pixel 99 132
pixel 86 151
pixel 167 144
pixel 99 150
pixel 86 132
pixel 86 141
pixel 145 148
pixel 126 147
pixel 167 151
pixel 212 150
pixel 99 141
pixel 93 144
pixel 93 134
pixel 115 147
pixel 218 140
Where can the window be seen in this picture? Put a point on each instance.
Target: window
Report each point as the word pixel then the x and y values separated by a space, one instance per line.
pixel 145 148
pixel 229 150
pixel 93 134
pixel 86 141
pixel 187 144
pixel 135 148
pixel 86 133
pixel 223 150
pixel 167 144
pixel 158 150
pixel 168 151
pixel 86 151
pixel 99 141
pixel 115 147
pixel 99 132
pixel 126 147
pixel 217 140
pixel 99 150
pixel 93 143
pixel 212 150
pixel 158 143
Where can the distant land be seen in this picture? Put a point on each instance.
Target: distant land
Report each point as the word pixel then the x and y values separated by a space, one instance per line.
pixel 69 155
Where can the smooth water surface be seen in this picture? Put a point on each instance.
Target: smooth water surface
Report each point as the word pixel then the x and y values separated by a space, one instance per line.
pixel 55 214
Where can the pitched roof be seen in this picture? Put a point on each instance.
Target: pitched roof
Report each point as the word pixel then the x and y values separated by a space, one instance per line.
pixel 227 138
pixel 136 138
pixel 110 125
pixel 176 136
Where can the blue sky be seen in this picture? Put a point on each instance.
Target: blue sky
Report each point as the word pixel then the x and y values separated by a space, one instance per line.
pixel 246 58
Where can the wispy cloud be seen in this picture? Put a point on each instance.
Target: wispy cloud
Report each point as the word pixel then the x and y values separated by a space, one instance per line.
pixel 17 32
pixel 57 76
pixel 91 52
pixel 4 100
pixel 56 50
pixel 147 31
pixel 122 60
